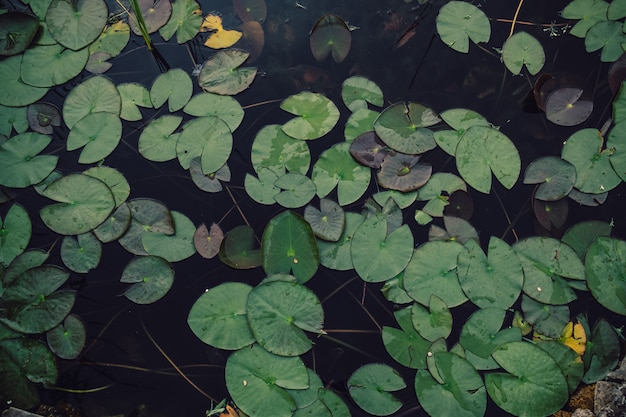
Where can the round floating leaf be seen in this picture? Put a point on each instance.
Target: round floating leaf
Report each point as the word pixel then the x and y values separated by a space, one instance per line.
pixel 219 316
pixel 532 374
pixel 68 339
pixel 262 189
pixel 459 21
pixel 376 256
pixel 155 14
pixel 603 351
pixel 221 73
pixel 112 40
pixel 174 86
pixel 317 115
pixel 278 152
pixel 172 247
pixel 523 49
pixel 84 202
pixel 157 141
pixel 403 127
pixel 98 134
pixel 336 167
pixel 82 253
pixel 248 10
pixel 115 225
pixel 402 172
pixel 483 150
pixel 556 176
pixel 206 137
pixel 297 190
pixel 568 360
pixel 151 278
pixel 582 234
pixel 368 149
pixel 76 24
pixel 17 30
pixel 357 91
pixel 589 13
pixel 279 312
pixel 42 117
pixel 405 345
pixel 206 242
pixel 330 34
pixel 147 216
pixel 15 92
pixel 371 385
pixel 434 323
pixel 337 255
pixel 256 380
pixel 98 62
pixel 546 319
pixel 50 65
pixel 207 104
pixel 461 391
pixel 208 182
pixel 95 94
pixel 564 109
pixel 288 246
pixel 327 222
pixel 133 96
pixel 113 179
pixel 185 21
pixel 15 234
pixel 27 260
pixel 359 122
pixel 237 249
pixel 13 118
pixel 607 35
pixel 617 144
pixel 605 263
pixel 551 214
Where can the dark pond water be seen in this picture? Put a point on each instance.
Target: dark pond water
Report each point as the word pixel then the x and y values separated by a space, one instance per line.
pixel 121 356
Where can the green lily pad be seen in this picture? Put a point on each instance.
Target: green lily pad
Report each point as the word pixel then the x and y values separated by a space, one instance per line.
pixel 589 12
pixel 604 264
pixel 369 150
pixel 403 127
pixel 377 256
pixel 237 249
pixel 549 320
pixel 67 340
pixel 222 73
pixel 147 216
pixel 523 49
pixel 256 381
pixel 432 323
pixel 483 150
pixel 280 312
pixel 460 120
pixel 262 189
pixel 317 115
pixel 580 236
pixel 174 86
pixel 459 21
pixel 357 91
pixel 81 253
pixel 15 233
pixel 98 134
pixel 278 152
pixel 568 360
pixel 336 168
pixel 402 172
pixel 157 141
pixel 113 179
pixel 371 385
pixel 532 373
pixel 84 202
pixel 30 259
pixel 393 290
pixel 327 222
pixel 112 40
pixel 296 190
pixel 437 191
pixel 42 117
pixel 155 14
pixel 617 143
pixel 555 176
pixel 308 396
pixel 172 247
pixel 207 242
pixel 207 137
pixel 461 391
pixel 208 104
pixel 337 255
pixel 17 30
pixel 208 182
pixel 607 36
pixel 564 109
pixel 14 118
pixel 15 92
pixel 219 316
pixel 185 21
pixel 602 353
pixel 115 225
pixel 95 94
pixel 405 345
pixel 330 35
pixel 151 278
pixel 359 122
pixel 133 96
pixel 50 65
pixel 288 246
pixel 76 24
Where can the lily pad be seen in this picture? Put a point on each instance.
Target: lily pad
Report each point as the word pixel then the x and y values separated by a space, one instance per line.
pixel 358 91
pixel 262 189
pixel 460 120
pixel 403 172
pixel 237 249
pixel 185 21
pixel 523 49
pixel 15 92
pixel 371 385
pixel 172 247
pixel 603 351
pixel 206 242
pixel 151 278
pixel 13 118
pixel 219 38
pixel 225 107
pixel 403 127
pixel 81 253
pixel 327 222
pixel 432 323
pixel 157 141
pixel 95 94
pixel 221 73
pixel 546 319
pixel 405 345
pixel 207 137
pixel 607 36
pixel 76 24
pixel 42 117
pixel 67 339
pixel 174 86
pixel 296 190
pixel 589 12
pixel 278 152
pixel 564 109
pixel 208 182
pixel 15 233
pixel 580 236
pixel 330 35
pixel 459 21
pixel 248 10
pixel 368 149
pixel 113 179
pixel 359 122
pixel 17 30
pixel 317 115
pixel 112 40
pixel 115 225
pixel 253 39
pixel 555 176
pixel 337 255
pixel 50 65
pixel 155 14
pixel 98 134
pixel 133 96
pixel 604 265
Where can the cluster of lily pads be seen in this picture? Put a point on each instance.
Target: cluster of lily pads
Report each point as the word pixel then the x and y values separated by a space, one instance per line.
pixel 520 342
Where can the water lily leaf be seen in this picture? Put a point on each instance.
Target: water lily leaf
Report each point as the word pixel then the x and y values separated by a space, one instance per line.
pixel 280 312
pixel 23 262
pixel 459 21
pixel 81 253
pixel 589 12
pixel 262 189
pixel 256 380
pixel 237 249
pixel 155 14
pixel 95 94
pixel 617 144
pixel 564 109
pixel 456 229
pixel 309 396
pixel 616 10
pixel 393 290
pixel 548 320
pixel 225 107
pixel 42 117
pixel 115 225
pixel 568 361
pixel 580 236
pixel 98 134
pixel 151 278
pixel 556 176
pixel 483 150
pixel 359 122
pixel 327 222
pixel 297 190
pixel 438 191
pixel 17 30
pixel 220 38
pixel 207 137
pixel 221 73
pixel 174 86
pixel 523 49
pixel 50 65
pixel 371 385
pixel 337 255
pixel 602 353
pixel 206 242
pixel 357 91
pixel 219 316
pixel 493 281
pixel 461 391
pixel 112 40
pixel 84 202
pixel 113 179
pixel 594 173
pixel 317 115
pixel 531 373
pixel 16 232
pixel 403 173
pixel 248 10
pixel 336 167
pixel 376 256
pixel 172 247
pixel 208 182
pixel 604 265
pixel 607 35
pixel 432 323
pixel 15 92
pixel 368 149
pixel 147 215
pixel 67 339
pixel 133 96
pixel 157 141
pixel 573 336
pixel 460 120
pixel 35 304
pixel 403 127
pixel 405 345
pixel 13 118
pixel 278 152
pixel 330 35
pixel 288 246
pixel 551 215
pixel 76 24
pixel 98 63
pixel 185 21
pixel 432 271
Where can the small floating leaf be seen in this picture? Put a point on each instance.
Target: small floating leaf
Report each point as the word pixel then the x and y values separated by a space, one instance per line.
pixel 185 21
pixel 42 117
pixel 564 109
pixel 523 49
pixel 555 176
pixel 151 278
pixel 459 21
pixel 98 134
pixel 403 126
pixel 371 385
pixel 327 222
pixel 155 14
pixel 174 86
pixel 330 35
pixel 604 265
pixel 206 242
pixel 15 234
pixel 403 173
pixel 22 166
pixel 317 115
pixel 220 38
pixel 76 24
pixel 17 30
pixel 95 94
pixel 221 73
pixel 81 253
pixel 68 339
pixel 237 249
pixel 357 91
pixel 248 10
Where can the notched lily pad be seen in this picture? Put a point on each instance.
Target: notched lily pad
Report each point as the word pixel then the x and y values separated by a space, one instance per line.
pixel 222 73
pixel 563 107
pixel 403 172
pixel 330 35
